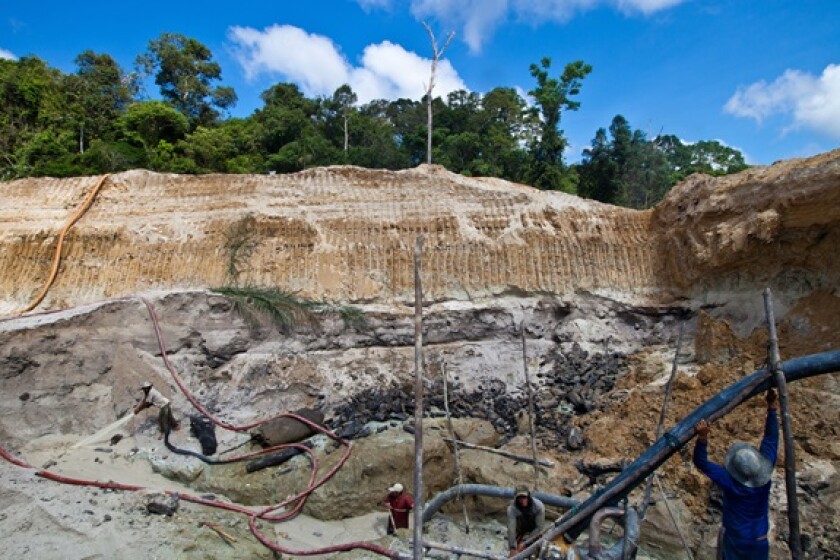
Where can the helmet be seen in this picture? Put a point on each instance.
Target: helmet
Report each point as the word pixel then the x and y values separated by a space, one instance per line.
pixel 396 488
pixel 146 385
pixel 522 490
pixel 746 465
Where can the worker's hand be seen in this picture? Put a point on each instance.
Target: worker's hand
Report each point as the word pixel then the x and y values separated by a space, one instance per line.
pixel 703 430
pixel 772 399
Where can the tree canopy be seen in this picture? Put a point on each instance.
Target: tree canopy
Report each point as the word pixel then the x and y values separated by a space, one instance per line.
pixel 95 121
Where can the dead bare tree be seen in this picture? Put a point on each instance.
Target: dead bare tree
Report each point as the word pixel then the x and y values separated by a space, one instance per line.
pixel 436 54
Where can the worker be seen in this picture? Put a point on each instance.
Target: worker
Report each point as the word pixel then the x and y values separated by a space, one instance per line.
pixel 153 397
pixel 745 482
pixel 525 517
pixel 399 503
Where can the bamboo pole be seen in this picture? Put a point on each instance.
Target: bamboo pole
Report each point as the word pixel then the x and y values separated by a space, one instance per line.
pixel 508 454
pixel 660 426
pixel 455 451
pixel 418 402
pixel 531 422
pixel 774 360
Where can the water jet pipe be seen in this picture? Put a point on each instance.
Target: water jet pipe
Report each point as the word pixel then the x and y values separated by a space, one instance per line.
pixel 574 523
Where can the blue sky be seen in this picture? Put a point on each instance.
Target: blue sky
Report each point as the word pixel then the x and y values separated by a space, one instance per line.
pixel 762 76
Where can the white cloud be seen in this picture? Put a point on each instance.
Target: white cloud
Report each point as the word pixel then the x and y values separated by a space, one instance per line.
pixel 368 5
pixel 478 19
pixel 315 63
pixel 812 102
pixel 7 55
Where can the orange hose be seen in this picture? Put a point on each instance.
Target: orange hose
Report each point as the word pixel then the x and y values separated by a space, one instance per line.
pixel 80 211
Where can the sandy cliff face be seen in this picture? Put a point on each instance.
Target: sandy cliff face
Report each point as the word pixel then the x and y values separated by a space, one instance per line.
pixel 348 234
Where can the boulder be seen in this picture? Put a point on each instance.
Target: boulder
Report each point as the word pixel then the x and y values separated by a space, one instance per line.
pixel 287 430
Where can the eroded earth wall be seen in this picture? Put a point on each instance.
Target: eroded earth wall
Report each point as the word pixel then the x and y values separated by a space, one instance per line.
pixel 348 234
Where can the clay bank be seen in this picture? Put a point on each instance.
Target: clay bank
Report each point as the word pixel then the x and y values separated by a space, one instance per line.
pixel 160 280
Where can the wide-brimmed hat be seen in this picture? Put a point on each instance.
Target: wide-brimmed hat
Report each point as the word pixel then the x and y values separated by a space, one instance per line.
pixel 747 465
pixel 145 385
pixel 396 488
pixel 522 490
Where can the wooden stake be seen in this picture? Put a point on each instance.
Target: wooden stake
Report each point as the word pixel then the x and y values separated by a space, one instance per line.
pixel 531 423
pixel 774 361
pixel 418 402
pixel 455 450
pixel 508 454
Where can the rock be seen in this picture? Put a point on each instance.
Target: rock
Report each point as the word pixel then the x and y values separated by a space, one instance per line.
pixel 658 530
pixel 162 504
pixel 686 383
pixel 287 430
pixel 575 440
pixel 180 469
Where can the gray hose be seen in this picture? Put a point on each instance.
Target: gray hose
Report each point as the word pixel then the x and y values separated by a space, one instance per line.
pixel 493 492
pixel 631 534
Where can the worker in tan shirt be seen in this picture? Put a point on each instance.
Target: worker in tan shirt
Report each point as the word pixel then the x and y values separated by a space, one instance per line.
pixel 152 397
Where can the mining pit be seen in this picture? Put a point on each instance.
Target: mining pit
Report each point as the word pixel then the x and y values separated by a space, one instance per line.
pixel 589 298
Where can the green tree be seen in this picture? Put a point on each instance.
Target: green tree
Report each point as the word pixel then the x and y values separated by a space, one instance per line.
pixel 31 101
pixel 230 147
pixel 552 97
pixel 151 122
pixel 185 71
pixel 599 172
pixel 98 93
pixel 343 100
pixel 628 170
pixel 707 156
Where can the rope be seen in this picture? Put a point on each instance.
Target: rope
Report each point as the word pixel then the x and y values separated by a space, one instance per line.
pixel 80 211
pixel 673 519
pixel 672 441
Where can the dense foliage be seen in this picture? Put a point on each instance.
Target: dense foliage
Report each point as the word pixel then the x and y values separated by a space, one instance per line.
pixel 95 121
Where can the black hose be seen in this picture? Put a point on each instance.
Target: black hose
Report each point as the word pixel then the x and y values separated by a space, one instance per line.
pixel 574 523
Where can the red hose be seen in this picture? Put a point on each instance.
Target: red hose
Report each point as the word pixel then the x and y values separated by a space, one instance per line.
pixel 264 514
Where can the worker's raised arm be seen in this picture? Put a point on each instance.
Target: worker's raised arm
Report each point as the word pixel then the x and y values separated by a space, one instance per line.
pixel 770 442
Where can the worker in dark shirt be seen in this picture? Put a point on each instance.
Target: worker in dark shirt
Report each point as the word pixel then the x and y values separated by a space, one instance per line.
pixel 745 482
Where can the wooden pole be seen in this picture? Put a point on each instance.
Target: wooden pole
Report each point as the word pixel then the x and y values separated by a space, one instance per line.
pixel 531 423
pixel 660 426
pixel 455 451
pixel 790 457
pixel 508 454
pixel 418 402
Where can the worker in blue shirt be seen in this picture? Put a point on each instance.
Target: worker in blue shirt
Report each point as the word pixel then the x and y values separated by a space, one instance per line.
pixel 745 482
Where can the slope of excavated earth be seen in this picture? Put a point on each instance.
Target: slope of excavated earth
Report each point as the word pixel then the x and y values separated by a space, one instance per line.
pixel 599 291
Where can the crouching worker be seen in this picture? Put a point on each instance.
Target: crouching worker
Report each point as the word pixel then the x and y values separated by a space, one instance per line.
pixel 745 482
pixel 399 504
pixel 153 397
pixel 525 517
